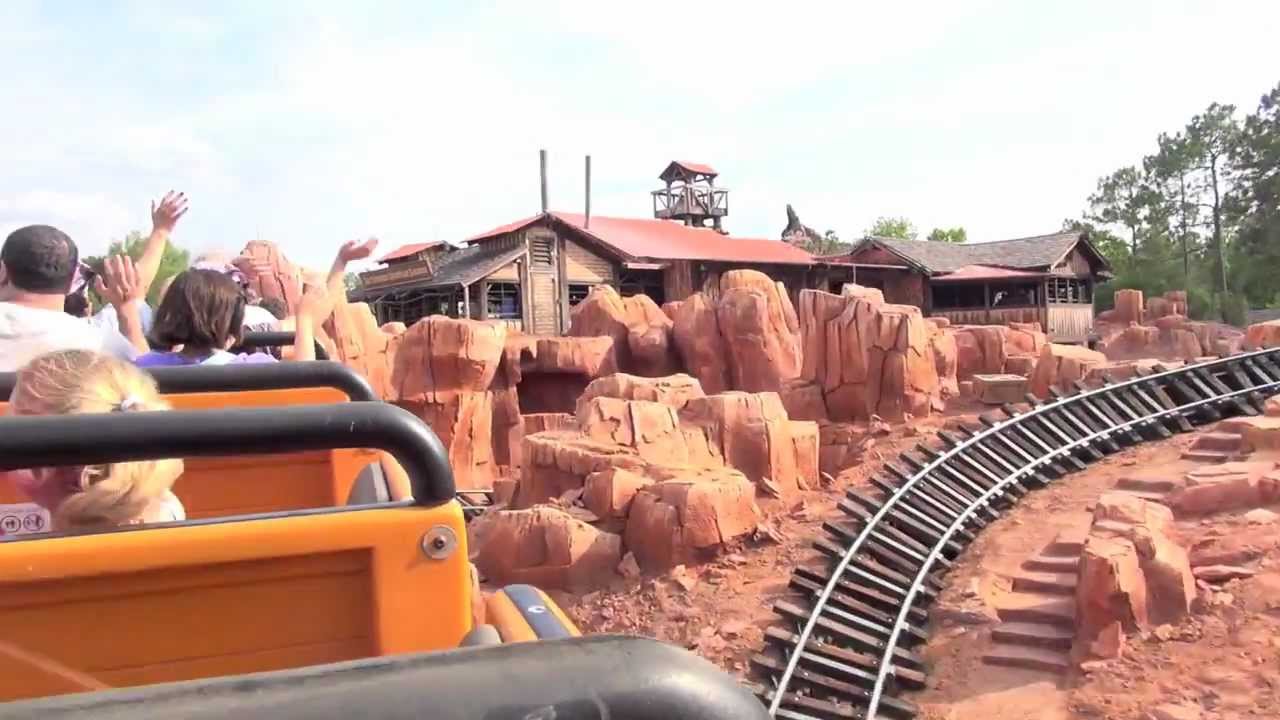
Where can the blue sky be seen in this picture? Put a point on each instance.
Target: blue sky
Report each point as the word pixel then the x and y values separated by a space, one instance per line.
pixel 309 123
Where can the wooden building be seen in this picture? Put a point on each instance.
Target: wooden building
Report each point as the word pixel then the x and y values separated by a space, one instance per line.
pixel 1047 279
pixel 529 273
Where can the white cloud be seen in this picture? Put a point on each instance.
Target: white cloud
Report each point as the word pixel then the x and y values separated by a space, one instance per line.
pixel 91 219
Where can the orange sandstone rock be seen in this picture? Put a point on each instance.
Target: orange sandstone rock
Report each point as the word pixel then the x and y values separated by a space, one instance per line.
pixel 544 547
pixel 1061 365
pixel 687 513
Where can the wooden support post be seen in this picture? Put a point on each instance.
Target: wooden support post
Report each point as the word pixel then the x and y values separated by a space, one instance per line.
pixel 484 299
pixel 466 302
pixel 986 302
pixel 562 286
pixel 542 163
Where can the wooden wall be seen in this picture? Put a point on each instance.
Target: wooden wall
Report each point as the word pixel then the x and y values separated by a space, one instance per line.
pixel 1069 322
pixel 1075 264
pixel 544 293
pixel 583 266
pixel 678 280
pixel 994 316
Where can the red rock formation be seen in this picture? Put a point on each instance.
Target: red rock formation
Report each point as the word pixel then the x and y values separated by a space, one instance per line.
pixel 544 547
pixel 747 431
pixel 673 390
pixel 443 371
pixel 980 350
pixel 1110 591
pixel 554 463
pixel 653 429
pixel 945 360
pixel 609 493
pixel 688 512
pixel 1229 486
pixel 641 332
pixel 870 358
pixel 697 336
pixel 1132 572
pixel 761 331
pixel 803 400
pixel 1129 306
pixel 1025 339
pixel 362 346
pixel 553 372
pixel 1262 335
pixel 1061 365
pixel 1022 365
pixel 283 281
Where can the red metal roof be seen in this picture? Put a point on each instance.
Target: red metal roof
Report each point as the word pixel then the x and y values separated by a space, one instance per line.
pixel 987 272
pixel 693 167
pixel 407 250
pixel 668 240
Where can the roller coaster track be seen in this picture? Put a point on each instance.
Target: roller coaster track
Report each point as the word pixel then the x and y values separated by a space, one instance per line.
pixel 845 651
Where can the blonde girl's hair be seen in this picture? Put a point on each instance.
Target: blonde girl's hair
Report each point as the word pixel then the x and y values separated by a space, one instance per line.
pixel 73 382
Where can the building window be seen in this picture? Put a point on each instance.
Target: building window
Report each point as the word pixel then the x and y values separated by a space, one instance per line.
pixel 957 296
pixel 543 252
pixel 1068 290
pixel 578 293
pixel 504 301
pixel 1014 294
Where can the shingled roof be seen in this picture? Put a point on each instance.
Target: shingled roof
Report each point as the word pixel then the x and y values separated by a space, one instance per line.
pixel 939 258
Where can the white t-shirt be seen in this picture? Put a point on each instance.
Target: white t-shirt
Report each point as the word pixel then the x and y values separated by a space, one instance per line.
pixel 260 318
pixel 26 333
pixel 108 319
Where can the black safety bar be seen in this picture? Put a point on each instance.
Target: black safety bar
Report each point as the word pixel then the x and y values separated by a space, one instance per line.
pixel 50 441
pixel 249 376
pixel 277 338
pixel 589 678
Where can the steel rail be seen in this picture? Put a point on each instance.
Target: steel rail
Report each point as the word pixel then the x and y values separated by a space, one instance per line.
pixel 1110 428
pixel 886 666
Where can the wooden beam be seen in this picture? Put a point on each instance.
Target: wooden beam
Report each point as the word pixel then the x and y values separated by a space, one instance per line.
pixel 466 302
pixel 562 287
pixel 484 299
pixel 986 301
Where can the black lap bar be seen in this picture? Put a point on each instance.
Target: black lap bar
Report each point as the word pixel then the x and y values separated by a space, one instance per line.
pixel 253 376
pixel 278 338
pixel 592 678
pixel 49 441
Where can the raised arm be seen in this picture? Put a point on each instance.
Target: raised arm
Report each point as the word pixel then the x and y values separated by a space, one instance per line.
pixel 163 219
pixel 350 251
pixel 121 285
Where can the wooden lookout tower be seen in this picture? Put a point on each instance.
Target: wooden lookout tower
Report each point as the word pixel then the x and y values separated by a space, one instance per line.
pixel 691 195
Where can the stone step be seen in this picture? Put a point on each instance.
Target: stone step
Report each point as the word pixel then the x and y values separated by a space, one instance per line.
pixel 1149 484
pixel 1052 563
pixel 1069 542
pixel 1028 658
pixel 1046 583
pixel 1149 496
pixel 1054 637
pixel 1207 456
pixel 1036 608
pixel 1226 442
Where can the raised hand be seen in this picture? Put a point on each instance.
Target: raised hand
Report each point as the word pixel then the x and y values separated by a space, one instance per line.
pixel 165 215
pixel 120 283
pixel 357 249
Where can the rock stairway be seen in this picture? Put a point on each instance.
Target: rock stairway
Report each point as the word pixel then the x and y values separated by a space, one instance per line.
pixel 1038 619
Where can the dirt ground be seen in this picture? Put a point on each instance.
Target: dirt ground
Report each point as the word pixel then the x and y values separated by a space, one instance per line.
pixel 1220 663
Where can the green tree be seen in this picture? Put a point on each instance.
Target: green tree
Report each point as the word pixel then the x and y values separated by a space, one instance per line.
pixel 1120 200
pixel 1256 252
pixel 892 227
pixel 352 281
pixel 1173 194
pixel 174 260
pixel 1212 137
pixel 950 235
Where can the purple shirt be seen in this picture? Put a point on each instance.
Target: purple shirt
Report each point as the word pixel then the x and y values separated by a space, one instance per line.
pixel 218 357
